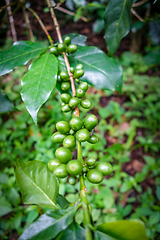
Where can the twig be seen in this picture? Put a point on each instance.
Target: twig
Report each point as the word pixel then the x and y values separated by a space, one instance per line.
pixel 15 10
pixel 11 20
pixel 70 13
pixel 42 25
pixel 28 25
pixel 4 7
pixel 57 27
pixel 139 3
pixel 136 14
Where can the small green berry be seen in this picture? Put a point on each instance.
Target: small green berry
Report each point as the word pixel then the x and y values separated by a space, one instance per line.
pixel 65 86
pixel 67 40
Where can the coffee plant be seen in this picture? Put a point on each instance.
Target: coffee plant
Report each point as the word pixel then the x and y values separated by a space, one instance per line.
pixel 70 66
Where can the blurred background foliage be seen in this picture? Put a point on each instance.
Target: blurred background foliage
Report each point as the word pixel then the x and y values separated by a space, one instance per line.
pixel 129 128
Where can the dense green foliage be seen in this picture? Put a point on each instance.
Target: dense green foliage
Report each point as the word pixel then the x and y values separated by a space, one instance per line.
pixel 119 136
pixel 142 99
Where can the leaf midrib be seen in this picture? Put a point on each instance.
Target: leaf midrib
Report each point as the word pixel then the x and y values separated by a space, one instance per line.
pixel 20 55
pixel 98 69
pixel 38 187
pixel 59 219
pixel 115 36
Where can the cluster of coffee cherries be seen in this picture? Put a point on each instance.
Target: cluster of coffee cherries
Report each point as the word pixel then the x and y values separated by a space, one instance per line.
pixel 66 47
pixel 68 133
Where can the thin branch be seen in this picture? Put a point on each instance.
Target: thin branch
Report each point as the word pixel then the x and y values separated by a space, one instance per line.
pixel 28 25
pixel 136 14
pixel 70 13
pixel 11 20
pixel 15 10
pixel 42 25
pixel 57 27
pixel 4 7
pixel 139 3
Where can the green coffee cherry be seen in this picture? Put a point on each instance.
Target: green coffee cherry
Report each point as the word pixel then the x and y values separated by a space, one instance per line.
pixel 54 50
pixel 95 176
pixel 85 169
pixel 66 108
pixel 74 114
pixel 63 127
pixel 69 142
pixel 72 132
pixel 78 73
pixel 77 80
pixel 61 48
pixel 58 137
pixel 63 154
pixel 65 97
pixel 93 139
pixel 64 75
pixel 82 135
pixel 59 79
pixel 53 164
pixel 65 86
pixel 90 161
pixel 62 104
pixel 83 86
pixel 61 171
pixel 71 48
pixel 72 180
pixel 85 103
pixel 72 70
pixel 79 66
pixel 74 167
pixel 73 102
pixel 73 148
pixel 67 40
pixel 76 123
pixel 90 122
pixel 80 93
pixel 104 167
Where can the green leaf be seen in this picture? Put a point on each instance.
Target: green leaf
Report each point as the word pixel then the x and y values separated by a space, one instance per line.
pixel 100 70
pixel 158 192
pixel 48 226
pixel 19 54
pixel 124 230
pixel 77 39
pixel 5 104
pixel 98 26
pixel 117 19
pixel 14 197
pixel 62 201
pixel 102 236
pixel 154 218
pixel 126 186
pixel 5 206
pixel 37 184
pixel 39 82
pixel 74 232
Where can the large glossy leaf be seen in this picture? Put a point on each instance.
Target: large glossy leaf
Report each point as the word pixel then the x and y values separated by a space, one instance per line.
pixel 74 232
pixel 102 236
pixel 19 54
pixel 39 82
pixel 37 184
pixel 5 104
pixel 48 226
pixel 100 70
pixel 117 18
pixel 124 230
